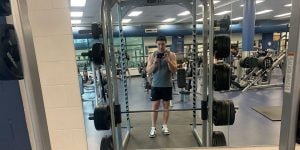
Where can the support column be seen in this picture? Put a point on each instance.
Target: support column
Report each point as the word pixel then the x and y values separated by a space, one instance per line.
pixel 248 25
pixel 291 90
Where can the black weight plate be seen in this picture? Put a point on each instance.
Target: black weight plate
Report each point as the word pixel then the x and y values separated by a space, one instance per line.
pixel 265 62
pixel 221 46
pixel 232 112
pixel 102 117
pixel 218 138
pixel 97 55
pixel 225 24
pixel 221 79
pixel 96 31
pixel 5 9
pixel 181 82
pixel 10 62
pixel 107 143
pixel 118 114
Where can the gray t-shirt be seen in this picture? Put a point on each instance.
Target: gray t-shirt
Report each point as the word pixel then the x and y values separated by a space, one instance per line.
pixel 162 76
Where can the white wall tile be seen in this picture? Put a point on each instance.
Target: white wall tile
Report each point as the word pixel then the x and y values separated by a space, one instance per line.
pixel 57 118
pixel 60 4
pixel 59 96
pixel 64 118
pixel 38 4
pixel 75 117
pixel 55 48
pixel 78 140
pixel 57 73
pixel 60 139
pixel 50 22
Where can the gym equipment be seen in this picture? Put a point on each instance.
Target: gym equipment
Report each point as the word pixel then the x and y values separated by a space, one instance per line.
pixel 102 116
pixel 221 46
pixel 96 31
pixel 223 112
pixel 223 23
pixel 218 138
pixel 5 9
pixel 96 54
pixel 222 76
pixel 10 62
pixel 265 62
pixel 107 143
pixel 181 82
pixel 249 62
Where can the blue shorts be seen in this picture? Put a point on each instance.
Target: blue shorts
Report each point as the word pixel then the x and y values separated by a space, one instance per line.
pixel 158 93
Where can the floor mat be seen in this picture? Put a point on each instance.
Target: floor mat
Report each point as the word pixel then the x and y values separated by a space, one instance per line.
pixel 271 112
pixel 181 134
pixel 175 118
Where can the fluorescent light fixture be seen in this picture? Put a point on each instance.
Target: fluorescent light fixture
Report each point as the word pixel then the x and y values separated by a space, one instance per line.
pixel 135 13
pixel 76 21
pixel 126 20
pixel 283 15
pixel 237 18
pixel 215 2
pixel 223 13
pixel 200 20
pixel 76 14
pixel 78 3
pixel 184 13
pixel 169 20
pixel 263 12
pixel 288 5
pixel 257 2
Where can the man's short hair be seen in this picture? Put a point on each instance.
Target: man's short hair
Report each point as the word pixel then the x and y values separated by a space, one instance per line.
pixel 161 38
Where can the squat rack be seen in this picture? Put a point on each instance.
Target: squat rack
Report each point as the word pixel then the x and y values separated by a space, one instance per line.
pixel 123 8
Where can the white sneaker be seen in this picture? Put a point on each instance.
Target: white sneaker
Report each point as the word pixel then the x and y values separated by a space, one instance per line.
pixel 165 130
pixel 152 133
pixel 171 104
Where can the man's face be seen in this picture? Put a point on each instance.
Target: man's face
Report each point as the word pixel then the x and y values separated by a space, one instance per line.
pixel 161 45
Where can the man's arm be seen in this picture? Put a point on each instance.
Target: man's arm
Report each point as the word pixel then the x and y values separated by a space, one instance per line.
pixel 172 63
pixel 151 65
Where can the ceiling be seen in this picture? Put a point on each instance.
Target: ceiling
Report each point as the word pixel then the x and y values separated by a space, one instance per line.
pixel 155 14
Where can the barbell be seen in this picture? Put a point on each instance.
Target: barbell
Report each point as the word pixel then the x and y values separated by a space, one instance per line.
pixel 223 114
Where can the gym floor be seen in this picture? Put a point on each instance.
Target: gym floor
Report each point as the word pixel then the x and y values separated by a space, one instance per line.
pixel 250 128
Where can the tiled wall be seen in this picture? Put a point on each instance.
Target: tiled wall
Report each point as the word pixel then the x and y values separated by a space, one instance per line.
pixel 53 41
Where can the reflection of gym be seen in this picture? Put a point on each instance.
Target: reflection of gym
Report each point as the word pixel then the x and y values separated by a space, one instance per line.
pixel 149 74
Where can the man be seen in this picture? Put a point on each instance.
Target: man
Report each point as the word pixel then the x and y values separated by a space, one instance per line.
pixel 161 64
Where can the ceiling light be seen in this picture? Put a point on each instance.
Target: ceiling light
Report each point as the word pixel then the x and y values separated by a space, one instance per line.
pixel 184 13
pixel 257 2
pixel 263 12
pixel 200 20
pixel 135 13
pixel 223 13
pixel 76 14
pixel 169 20
pixel 288 5
pixel 237 18
pixel 78 3
pixel 126 20
pixel 215 2
pixel 76 21
pixel 283 15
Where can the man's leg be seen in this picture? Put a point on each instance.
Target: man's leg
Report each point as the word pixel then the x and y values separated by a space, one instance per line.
pixel 165 129
pixel 155 106
pixel 154 115
pixel 166 105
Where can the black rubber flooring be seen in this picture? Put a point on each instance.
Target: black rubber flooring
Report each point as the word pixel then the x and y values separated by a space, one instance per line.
pixel 181 134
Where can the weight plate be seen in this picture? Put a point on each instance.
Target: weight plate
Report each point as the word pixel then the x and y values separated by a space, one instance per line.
pixel 102 117
pixel 221 46
pixel 218 138
pixel 181 83
pixel 107 143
